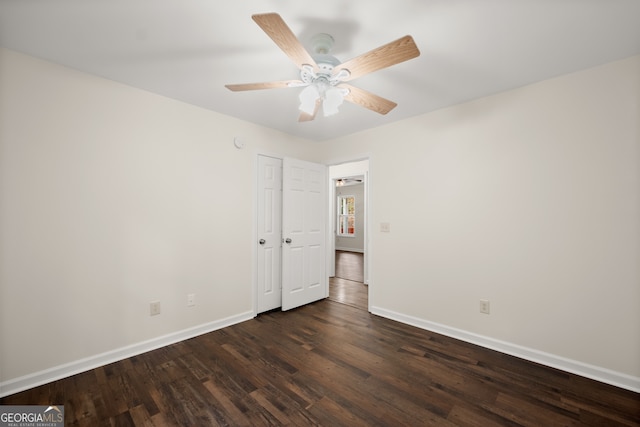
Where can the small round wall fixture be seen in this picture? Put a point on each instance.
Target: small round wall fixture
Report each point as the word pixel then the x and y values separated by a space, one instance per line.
pixel 238 143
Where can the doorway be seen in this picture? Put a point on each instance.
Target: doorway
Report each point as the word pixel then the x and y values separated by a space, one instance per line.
pixel 349 254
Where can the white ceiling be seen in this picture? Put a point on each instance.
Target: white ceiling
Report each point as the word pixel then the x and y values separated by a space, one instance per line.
pixel 189 49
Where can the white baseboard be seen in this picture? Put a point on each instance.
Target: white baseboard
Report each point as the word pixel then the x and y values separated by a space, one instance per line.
pixel 575 367
pixel 58 372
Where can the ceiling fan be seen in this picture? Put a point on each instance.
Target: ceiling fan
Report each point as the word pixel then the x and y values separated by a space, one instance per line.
pixel 322 76
pixel 341 182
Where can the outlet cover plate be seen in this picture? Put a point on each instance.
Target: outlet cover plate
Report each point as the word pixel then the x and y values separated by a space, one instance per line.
pixel 154 308
pixel 485 306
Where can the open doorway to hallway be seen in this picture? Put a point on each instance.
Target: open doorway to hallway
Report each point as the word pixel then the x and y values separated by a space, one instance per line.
pixel 349 186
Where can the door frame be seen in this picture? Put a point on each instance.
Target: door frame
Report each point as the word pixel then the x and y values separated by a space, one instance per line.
pixel 348 168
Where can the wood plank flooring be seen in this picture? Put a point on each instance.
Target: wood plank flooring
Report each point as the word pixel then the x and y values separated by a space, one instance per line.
pixel 347 287
pixel 331 364
pixel 350 266
pixel 355 294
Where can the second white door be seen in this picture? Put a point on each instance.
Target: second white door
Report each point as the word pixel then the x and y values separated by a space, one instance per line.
pixel 304 219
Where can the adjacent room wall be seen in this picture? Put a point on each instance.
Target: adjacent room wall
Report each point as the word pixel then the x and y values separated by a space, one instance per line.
pixel 530 199
pixel 112 197
pixel 353 243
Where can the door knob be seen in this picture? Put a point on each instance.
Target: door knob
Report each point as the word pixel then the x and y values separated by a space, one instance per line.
pixel 262 241
pixel 287 240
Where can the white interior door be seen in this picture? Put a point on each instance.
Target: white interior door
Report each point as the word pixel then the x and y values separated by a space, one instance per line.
pixel 304 277
pixel 269 254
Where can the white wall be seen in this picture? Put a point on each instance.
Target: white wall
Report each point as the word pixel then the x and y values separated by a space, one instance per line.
pixel 529 198
pixel 112 197
pixel 354 243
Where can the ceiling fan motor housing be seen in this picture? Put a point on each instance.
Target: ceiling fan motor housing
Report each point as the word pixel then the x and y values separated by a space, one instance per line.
pixel 322 43
pixel 321 81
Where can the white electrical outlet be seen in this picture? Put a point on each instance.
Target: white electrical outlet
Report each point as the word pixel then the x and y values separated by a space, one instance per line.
pixel 385 227
pixel 485 307
pixel 191 300
pixel 154 308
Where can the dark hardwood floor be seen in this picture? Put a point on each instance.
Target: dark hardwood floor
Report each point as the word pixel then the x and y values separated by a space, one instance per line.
pixel 331 364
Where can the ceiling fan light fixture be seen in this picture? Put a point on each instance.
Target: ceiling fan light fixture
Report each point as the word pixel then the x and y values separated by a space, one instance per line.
pixel 333 98
pixel 308 97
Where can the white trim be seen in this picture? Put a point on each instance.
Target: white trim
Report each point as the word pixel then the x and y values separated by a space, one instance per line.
pixel 604 375
pixel 62 371
pixel 368 241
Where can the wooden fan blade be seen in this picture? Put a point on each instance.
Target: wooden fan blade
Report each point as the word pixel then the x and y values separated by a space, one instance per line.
pixel 305 117
pixel 266 85
pixel 385 56
pixel 368 100
pixel 281 34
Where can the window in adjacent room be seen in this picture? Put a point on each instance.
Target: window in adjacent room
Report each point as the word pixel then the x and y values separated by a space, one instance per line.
pixel 346 216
